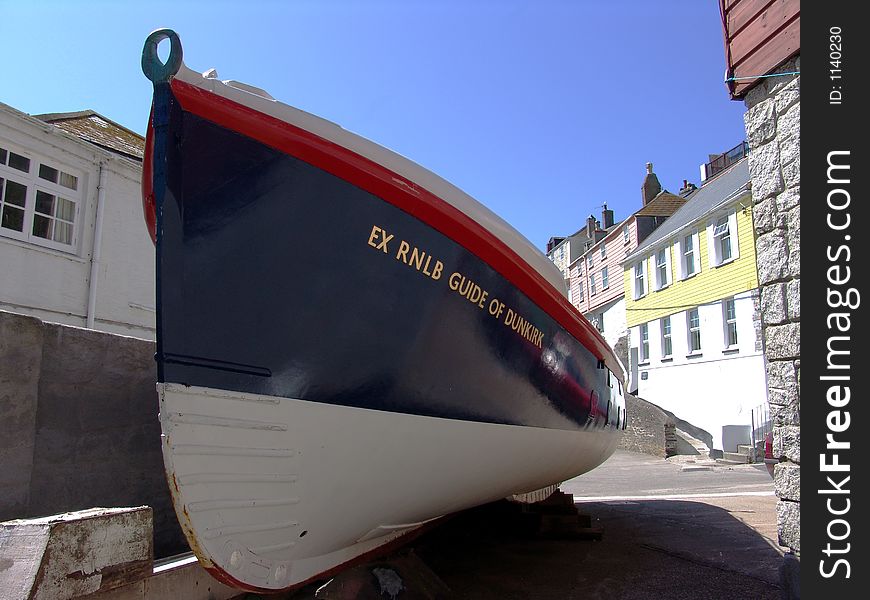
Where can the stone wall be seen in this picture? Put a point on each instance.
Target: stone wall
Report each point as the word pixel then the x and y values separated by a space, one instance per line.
pixel 773 131
pixel 650 430
pixel 79 425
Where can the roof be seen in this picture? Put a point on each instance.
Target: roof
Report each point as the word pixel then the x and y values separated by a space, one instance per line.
pixel 93 127
pixel 703 201
pixel 663 205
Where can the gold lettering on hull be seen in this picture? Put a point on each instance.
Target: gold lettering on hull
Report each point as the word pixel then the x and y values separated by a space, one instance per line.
pixel 423 262
pixel 419 260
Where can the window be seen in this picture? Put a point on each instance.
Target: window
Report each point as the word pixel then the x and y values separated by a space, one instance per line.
pixel 588 263
pixel 729 315
pixel 580 292
pixel 667 346
pixel 625 235
pixel 644 342
pixel 603 250
pixel 662 264
pixel 687 258
pixel 38 201
pixel 605 280
pixel 592 284
pixel 723 241
pixel 639 280
pixel 694 327
pixel 598 321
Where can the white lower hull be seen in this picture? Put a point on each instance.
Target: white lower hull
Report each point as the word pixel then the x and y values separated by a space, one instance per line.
pixel 275 491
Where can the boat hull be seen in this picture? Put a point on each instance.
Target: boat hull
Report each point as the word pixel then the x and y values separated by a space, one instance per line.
pixel 274 492
pixel 343 355
pixel 276 277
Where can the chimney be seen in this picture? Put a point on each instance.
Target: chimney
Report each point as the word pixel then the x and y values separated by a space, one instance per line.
pixel 688 188
pixel 607 217
pixel 651 186
pixel 590 226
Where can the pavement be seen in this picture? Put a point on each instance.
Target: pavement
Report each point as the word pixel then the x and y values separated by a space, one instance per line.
pixel 667 533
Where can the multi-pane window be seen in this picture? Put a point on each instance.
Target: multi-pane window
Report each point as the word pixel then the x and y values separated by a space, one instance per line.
pixel 625 235
pixel 667 346
pixel 603 250
pixel 38 200
pixel 661 268
pixel 639 285
pixel 688 255
pixel 592 284
pixel 580 292
pixel 693 321
pixel 644 342
pixel 722 240
pixel 730 321
pixel 605 279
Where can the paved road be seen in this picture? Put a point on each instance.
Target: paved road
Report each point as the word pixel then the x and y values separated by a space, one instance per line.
pixel 631 474
pixel 718 540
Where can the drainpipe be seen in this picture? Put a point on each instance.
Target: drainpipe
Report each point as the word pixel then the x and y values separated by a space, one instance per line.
pixel 98 242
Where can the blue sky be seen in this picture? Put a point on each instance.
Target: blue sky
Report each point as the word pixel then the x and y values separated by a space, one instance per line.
pixel 541 110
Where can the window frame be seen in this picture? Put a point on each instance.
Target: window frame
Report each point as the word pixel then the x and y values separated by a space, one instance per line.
pixel 667 337
pixel 640 286
pixel 605 278
pixel 37 189
pixel 662 269
pixel 693 331
pixel 722 229
pixel 729 324
pixel 643 342
pixel 688 248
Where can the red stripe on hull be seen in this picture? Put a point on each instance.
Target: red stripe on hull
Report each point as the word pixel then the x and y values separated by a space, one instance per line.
pixel 405 195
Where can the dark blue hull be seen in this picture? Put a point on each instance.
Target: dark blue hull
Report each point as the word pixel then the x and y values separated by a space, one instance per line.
pixel 276 277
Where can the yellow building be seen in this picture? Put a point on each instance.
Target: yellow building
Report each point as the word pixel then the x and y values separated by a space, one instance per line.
pixel 693 311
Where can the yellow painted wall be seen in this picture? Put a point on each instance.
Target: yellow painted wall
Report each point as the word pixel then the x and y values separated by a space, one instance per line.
pixel 709 285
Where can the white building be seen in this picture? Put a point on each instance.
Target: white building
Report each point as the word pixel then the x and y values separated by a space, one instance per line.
pixel 74 248
pixel 693 309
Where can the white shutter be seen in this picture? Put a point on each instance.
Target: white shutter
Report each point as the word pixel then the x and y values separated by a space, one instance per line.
pixel 732 227
pixel 712 256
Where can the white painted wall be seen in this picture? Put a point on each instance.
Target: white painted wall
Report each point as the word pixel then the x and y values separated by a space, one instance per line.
pixel 715 388
pixel 54 284
pixel 615 326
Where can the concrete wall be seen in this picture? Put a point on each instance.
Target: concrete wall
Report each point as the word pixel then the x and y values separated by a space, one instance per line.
pixel 650 430
pixel 79 425
pixel 773 130
pixel 54 283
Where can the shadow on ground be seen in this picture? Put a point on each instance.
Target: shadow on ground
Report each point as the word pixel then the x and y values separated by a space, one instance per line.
pixel 660 549
pixel 650 549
